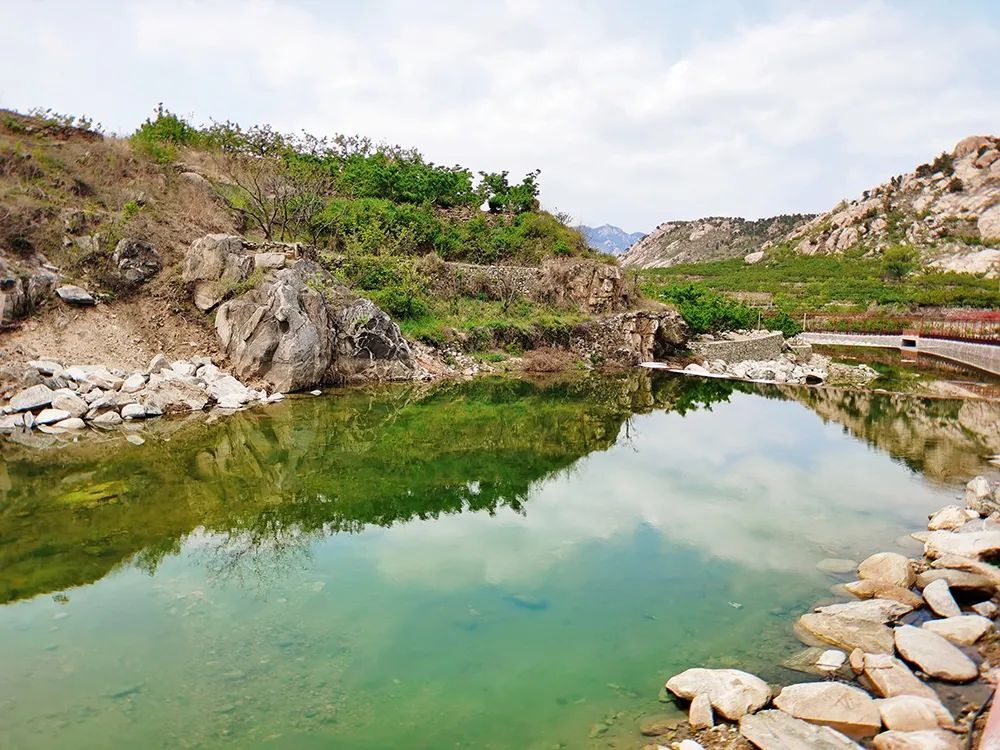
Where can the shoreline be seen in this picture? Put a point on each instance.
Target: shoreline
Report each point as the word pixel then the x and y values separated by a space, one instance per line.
pixel 862 649
pixel 84 401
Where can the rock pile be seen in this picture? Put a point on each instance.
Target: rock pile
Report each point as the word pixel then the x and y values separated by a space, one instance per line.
pixel 62 399
pixel 880 643
pixel 789 368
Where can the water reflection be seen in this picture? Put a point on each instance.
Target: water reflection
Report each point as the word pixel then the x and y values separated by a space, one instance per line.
pixel 263 486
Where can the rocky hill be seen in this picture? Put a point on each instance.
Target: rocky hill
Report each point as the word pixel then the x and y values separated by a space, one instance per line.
pixel 609 239
pixel 703 240
pixel 947 210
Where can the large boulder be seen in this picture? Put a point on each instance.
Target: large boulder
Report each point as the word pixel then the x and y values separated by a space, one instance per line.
pixel 889 677
pixel 874 610
pixel 24 289
pixel 925 739
pixel 888 567
pixel 215 266
pixel 300 327
pixel 934 655
pixel 845 633
pixel 912 713
pixel 842 707
pixel 732 693
pixel 776 730
pixel 135 260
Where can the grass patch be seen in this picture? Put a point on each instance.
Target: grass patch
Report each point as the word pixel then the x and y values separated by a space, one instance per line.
pixel 484 324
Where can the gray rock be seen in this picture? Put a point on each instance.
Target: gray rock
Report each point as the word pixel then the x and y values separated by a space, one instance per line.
pixel 950 517
pixel 51 416
pixel 934 655
pixel 985 609
pixel 731 692
pixel 133 411
pixel 300 327
pixel 31 398
pixel 216 264
pixel 776 730
pixel 74 295
pixel 71 403
pixel 171 396
pixel 135 260
pixel 157 364
pixel 11 422
pixel 133 383
pixel 268 261
pixel 73 423
pixel 107 418
pixel 45 367
pixel 982 496
pixel 957 579
pixel 970 544
pixel 135 439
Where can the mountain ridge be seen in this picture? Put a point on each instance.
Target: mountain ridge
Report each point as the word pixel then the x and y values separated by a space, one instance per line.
pixel 609 239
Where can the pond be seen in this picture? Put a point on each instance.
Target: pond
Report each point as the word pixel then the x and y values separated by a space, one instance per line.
pixel 488 564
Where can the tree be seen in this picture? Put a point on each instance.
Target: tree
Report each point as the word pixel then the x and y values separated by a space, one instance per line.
pixel 898 262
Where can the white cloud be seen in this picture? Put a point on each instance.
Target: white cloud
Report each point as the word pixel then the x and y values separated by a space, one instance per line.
pixel 788 111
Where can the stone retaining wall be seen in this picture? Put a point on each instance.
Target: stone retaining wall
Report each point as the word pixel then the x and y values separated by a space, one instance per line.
pixel 755 348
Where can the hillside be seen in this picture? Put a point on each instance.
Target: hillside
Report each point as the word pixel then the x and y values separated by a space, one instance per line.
pixel 114 249
pixel 609 239
pixel 709 239
pixel 948 211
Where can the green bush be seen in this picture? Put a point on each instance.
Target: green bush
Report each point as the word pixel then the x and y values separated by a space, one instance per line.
pixel 708 312
pixel 390 281
pixel 158 137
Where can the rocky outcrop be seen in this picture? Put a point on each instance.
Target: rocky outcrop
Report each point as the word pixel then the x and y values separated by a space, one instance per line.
pixel 949 210
pixel 300 327
pixel 587 285
pixel 135 261
pixel 214 266
pixel 702 240
pixel 631 337
pixel 24 286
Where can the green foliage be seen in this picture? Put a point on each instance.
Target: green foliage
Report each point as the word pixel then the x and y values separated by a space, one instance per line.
pixel 899 261
pixel 502 197
pixel 391 283
pixel 807 283
pixel 707 311
pixel 160 136
pixel 377 226
pixel 130 209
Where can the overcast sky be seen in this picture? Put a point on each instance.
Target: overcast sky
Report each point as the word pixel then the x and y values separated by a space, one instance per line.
pixel 636 112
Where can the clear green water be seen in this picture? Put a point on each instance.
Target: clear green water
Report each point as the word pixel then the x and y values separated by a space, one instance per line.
pixel 494 564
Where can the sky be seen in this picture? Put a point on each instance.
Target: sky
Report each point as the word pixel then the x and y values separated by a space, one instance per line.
pixel 636 112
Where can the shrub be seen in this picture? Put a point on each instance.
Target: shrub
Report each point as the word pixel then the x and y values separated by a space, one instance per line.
pixel 708 312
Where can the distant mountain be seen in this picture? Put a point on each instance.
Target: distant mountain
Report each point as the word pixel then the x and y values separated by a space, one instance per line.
pixel 703 240
pixel 610 239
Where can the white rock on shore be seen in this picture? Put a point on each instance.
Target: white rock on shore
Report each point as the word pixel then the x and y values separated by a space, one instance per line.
pixel 731 692
pixel 934 655
pixel 71 397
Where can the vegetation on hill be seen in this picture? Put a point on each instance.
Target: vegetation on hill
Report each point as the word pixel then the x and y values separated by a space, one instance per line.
pixel 351 195
pixel 371 211
pixel 786 285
